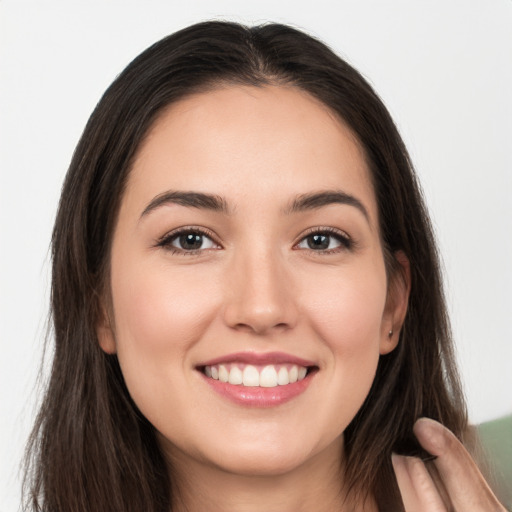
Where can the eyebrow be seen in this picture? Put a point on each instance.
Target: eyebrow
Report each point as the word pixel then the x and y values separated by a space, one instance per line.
pixel 213 202
pixel 315 200
pixel 189 199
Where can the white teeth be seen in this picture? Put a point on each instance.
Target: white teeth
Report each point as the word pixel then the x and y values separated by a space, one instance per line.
pixel 282 376
pixel 251 376
pixel 235 376
pixel 223 373
pixel 269 376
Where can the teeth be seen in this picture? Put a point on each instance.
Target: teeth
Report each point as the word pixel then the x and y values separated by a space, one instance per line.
pixel 268 376
pixel 223 373
pixel 282 376
pixel 235 376
pixel 251 376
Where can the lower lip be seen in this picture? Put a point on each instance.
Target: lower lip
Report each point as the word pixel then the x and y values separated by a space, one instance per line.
pixel 258 396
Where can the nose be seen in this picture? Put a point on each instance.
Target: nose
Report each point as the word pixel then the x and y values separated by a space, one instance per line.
pixel 259 296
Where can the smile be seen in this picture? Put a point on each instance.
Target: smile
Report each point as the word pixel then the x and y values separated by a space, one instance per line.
pixel 268 376
pixel 258 380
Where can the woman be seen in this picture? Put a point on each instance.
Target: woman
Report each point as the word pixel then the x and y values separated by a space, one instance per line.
pixel 246 296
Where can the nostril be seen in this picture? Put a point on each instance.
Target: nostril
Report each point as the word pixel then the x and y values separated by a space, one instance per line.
pixel 260 326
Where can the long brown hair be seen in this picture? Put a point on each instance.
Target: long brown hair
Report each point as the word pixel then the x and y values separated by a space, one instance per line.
pixel 91 449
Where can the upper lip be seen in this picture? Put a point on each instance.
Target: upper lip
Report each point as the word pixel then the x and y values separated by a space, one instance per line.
pixel 256 358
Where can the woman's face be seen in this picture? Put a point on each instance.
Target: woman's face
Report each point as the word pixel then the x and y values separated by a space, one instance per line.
pixel 247 249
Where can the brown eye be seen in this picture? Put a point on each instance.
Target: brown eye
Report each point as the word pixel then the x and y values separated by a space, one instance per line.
pixel 325 241
pixel 318 242
pixel 188 241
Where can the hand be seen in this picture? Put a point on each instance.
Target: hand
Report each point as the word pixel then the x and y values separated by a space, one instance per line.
pixel 455 484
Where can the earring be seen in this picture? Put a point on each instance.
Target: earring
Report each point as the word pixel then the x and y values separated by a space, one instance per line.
pixel 390 333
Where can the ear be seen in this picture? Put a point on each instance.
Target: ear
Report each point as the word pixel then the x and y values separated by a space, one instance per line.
pixel 399 288
pixel 105 333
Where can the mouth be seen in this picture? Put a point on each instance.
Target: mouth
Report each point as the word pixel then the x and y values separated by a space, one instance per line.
pixel 264 376
pixel 258 380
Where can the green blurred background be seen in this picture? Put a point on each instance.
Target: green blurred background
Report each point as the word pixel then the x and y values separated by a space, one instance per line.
pixel 496 442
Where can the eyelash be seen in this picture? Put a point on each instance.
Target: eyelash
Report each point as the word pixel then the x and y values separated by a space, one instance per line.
pixel 346 243
pixel 166 241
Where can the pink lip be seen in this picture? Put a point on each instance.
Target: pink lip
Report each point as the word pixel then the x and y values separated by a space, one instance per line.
pixel 258 359
pixel 257 396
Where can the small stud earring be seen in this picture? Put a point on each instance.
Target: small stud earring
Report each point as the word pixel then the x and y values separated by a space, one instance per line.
pixel 390 333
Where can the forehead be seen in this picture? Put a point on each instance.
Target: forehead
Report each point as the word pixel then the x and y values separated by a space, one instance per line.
pixel 251 140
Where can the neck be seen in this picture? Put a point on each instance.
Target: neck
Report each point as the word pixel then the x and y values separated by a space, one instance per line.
pixel 316 485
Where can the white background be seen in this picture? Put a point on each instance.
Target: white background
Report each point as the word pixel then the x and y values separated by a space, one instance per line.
pixel 444 69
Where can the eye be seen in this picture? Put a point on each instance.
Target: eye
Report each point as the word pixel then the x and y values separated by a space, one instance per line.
pixel 188 241
pixel 325 241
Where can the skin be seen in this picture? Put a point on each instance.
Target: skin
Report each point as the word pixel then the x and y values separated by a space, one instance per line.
pixel 453 482
pixel 256 286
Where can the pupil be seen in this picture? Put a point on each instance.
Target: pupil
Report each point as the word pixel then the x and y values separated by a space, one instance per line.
pixel 191 241
pixel 318 242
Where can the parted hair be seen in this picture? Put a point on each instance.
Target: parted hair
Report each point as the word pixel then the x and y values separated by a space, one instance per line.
pixel 91 449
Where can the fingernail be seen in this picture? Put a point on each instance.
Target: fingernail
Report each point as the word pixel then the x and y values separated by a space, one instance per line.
pixel 431 435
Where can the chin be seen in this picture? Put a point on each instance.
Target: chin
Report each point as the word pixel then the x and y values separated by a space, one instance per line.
pixel 257 455
pixel 272 454
pixel 257 463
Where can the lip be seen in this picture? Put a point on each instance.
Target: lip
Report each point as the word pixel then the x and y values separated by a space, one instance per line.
pixel 259 396
pixel 256 358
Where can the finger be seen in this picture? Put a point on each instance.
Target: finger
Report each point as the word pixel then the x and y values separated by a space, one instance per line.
pixel 418 491
pixel 466 487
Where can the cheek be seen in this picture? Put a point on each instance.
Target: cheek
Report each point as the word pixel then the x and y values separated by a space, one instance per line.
pixel 157 309
pixel 159 315
pixel 347 313
pixel 347 310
